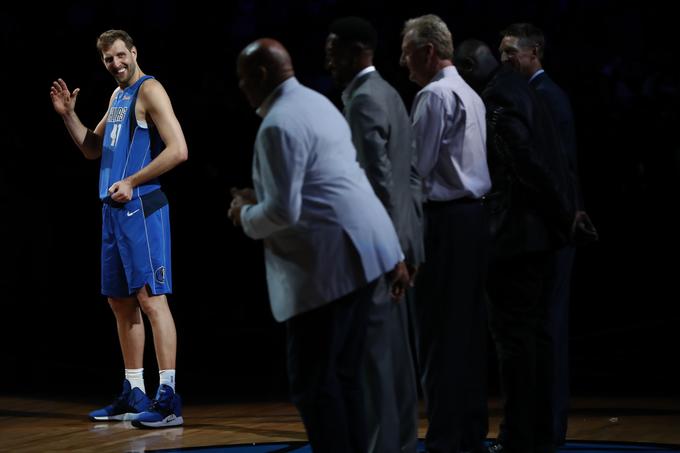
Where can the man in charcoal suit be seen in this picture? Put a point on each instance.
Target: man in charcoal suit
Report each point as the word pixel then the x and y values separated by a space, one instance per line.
pixel 382 135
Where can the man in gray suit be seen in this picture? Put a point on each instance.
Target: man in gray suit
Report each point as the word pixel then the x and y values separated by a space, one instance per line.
pixel 382 135
pixel 328 242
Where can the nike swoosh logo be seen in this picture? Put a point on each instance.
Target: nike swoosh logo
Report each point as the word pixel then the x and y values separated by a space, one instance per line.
pixel 132 213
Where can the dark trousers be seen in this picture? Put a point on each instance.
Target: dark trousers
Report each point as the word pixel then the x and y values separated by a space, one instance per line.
pixel 389 377
pixel 519 294
pixel 559 326
pixel 451 326
pixel 325 349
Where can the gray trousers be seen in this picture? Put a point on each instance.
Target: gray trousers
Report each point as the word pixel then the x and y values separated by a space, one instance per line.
pixel 389 383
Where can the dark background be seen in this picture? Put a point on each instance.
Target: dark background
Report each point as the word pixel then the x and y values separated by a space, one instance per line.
pixel 616 61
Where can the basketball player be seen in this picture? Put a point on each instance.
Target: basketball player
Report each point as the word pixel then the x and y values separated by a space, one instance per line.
pixel 138 139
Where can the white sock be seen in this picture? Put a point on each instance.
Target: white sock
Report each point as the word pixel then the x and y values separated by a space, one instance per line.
pixel 136 378
pixel 167 377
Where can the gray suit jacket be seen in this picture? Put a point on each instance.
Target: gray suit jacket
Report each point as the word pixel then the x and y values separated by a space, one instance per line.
pixel 325 232
pixel 383 137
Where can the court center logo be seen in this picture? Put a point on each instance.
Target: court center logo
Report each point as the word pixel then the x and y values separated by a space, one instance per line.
pixel 159 274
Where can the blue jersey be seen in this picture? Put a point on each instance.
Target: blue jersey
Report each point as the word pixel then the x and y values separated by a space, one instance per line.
pixel 129 145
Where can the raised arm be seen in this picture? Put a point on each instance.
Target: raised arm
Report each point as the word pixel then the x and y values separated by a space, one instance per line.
pixel 157 106
pixel 64 103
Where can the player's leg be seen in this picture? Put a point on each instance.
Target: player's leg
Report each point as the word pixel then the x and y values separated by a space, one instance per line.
pixel 130 330
pixel 163 327
pixel 166 409
pixel 132 399
pixel 152 260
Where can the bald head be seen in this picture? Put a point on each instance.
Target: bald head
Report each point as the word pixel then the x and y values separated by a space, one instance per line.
pixel 262 66
pixel 269 54
pixel 475 62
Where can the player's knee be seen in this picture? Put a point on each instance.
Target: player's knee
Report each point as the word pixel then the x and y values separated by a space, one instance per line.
pixel 125 308
pixel 152 306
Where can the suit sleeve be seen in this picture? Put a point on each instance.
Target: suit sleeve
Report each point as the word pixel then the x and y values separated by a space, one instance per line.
pixel 282 157
pixel 557 103
pixel 511 131
pixel 370 132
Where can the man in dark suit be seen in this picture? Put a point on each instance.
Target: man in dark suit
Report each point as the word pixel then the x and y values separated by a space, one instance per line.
pixel 522 47
pixel 382 135
pixel 532 209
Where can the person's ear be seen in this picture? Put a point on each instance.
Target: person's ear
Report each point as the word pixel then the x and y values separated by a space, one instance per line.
pixel 534 51
pixel 429 50
pixel 355 48
pixel 262 74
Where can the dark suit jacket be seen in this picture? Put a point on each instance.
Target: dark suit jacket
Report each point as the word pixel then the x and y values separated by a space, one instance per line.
pixel 531 200
pixel 559 106
pixel 382 135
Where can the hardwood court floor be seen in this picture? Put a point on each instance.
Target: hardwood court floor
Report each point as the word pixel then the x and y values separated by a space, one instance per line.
pixel 45 425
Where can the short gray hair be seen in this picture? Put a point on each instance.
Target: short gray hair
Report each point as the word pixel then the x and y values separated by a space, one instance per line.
pixel 431 29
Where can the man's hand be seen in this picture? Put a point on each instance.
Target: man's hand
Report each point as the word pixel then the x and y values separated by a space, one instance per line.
pixel 241 197
pixel 582 230
pixel 63 101
pixel 399 279
pixel 247 194
pixel 412 271
pixel 121 191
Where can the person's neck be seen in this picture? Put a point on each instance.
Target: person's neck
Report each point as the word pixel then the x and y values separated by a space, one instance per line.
pixel 356 71
pixel 365 61
pixel 135 77
pixel 534 69
pixel 441 64
pixel 438 66
pixel 361 66
pixel 280 78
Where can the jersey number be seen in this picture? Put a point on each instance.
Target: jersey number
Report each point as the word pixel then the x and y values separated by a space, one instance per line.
pixel 115 132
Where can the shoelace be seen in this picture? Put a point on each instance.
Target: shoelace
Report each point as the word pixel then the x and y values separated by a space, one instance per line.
pixel 156 403
pixel 153 406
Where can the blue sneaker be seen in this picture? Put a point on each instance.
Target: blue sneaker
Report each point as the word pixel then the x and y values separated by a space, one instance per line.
pixel 126 407
pixel 165 410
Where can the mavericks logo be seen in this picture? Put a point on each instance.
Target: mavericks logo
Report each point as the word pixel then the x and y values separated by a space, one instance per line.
pixel 159 274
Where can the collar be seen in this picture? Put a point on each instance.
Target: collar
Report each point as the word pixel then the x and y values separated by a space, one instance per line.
pixel 536 74
pixel 446 71
pixel 350 86
pixel 283 88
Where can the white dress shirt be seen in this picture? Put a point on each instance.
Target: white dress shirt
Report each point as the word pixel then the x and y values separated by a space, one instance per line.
pixel 536 74
pixel 450 127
